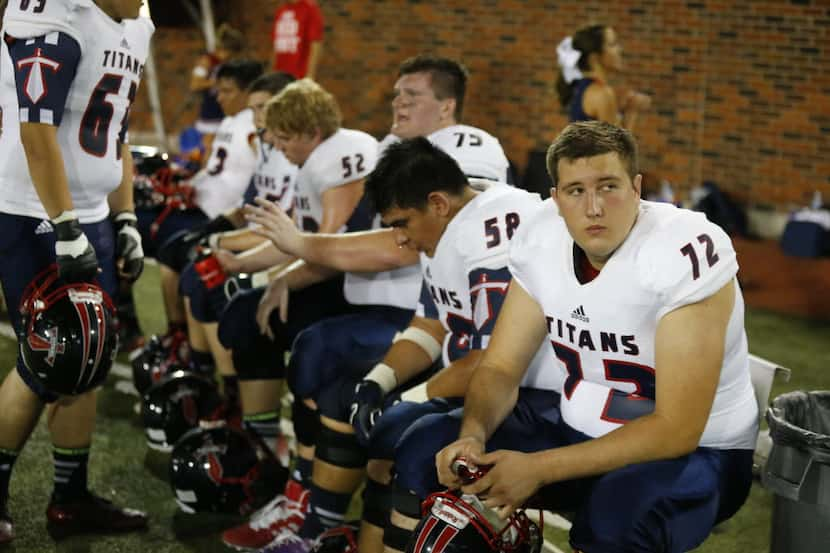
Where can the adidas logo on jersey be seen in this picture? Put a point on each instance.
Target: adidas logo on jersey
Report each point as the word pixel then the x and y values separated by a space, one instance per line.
pixel 579 314
pixel 45 227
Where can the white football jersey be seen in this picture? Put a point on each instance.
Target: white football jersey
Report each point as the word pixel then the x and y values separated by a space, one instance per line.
pixel 221 184
pixel 603 331
pixel 466 280
pixel 477 152
pixel 82 75
pixel 344 157
pixel 480 155
pixel 275 178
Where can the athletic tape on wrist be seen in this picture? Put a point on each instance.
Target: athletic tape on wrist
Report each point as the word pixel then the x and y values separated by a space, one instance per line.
pixel 125 216
pixel 72 248
pixel 416 394
pixel 425 340
pixel 262 278
pixel 385 377
pixel 65 216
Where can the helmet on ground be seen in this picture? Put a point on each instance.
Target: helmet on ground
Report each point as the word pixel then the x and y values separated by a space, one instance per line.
pixel 160 356
pixel 222 470
pixel 68 336
pixel 176 404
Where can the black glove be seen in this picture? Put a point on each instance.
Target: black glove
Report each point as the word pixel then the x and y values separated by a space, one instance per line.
pixel 188 245
pixel 366 408
pixel 74 254
pixel 219 223
pixel 128 248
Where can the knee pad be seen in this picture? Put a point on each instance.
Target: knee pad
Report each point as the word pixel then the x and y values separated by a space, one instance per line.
pixel 306 423
pixel 173 252
pixel 377 503
pixel 406 503
pixel 307 355
pixel 396 538
pixel 340 449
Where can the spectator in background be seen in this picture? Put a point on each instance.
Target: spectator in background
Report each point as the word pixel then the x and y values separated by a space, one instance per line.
pixel 586 60
pixel 229 45
pixel 298 38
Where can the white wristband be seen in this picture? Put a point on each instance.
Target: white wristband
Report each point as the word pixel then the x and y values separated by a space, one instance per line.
pixel 425 341
pixel 65 216
pixel 385 377
pixel 260 279
pixel 128 216
pixel 416 394
pixel 213 240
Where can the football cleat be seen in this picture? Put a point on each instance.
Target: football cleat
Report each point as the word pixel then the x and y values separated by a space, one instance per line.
pixel 283 512
pixel 342 539
pixel 287 541
pixel 91 515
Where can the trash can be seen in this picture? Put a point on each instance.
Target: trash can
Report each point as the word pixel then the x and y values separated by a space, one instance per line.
pixel 798 472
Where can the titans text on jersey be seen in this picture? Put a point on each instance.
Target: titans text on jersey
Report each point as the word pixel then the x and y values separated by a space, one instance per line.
pixel 603 331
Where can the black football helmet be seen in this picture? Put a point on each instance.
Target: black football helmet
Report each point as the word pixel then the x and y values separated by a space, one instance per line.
pixel 160 356
pixel 342 539
pixel 222 470
pixel 68 336
pixel 175 404
pixel 452 524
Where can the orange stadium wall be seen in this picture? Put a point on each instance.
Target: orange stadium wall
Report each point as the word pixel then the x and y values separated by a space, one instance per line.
pixel 741 89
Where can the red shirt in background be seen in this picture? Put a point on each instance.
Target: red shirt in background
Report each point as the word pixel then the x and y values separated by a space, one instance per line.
pixel 296 26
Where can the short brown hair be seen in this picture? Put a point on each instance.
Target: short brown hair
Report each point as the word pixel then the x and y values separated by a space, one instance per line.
pixel 589 139
pixel 448 78
pixel 303 107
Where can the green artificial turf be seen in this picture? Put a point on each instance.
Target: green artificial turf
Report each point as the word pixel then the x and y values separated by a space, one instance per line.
pixel 122 470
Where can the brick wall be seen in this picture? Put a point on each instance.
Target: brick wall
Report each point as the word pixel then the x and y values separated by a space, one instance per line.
pixel 741 89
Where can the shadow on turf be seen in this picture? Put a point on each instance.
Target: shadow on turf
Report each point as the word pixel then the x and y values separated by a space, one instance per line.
pixel 187 527
pixel 157 463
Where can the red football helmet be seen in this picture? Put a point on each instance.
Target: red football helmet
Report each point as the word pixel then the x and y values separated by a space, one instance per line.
pixel 68 337
pixel 452 524
pixel 456 523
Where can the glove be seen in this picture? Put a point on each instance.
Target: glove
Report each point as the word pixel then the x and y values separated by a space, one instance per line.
pixel 366 408
pixel 189 244
pixel 74 254
pixel 129 254
pixel 218 224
